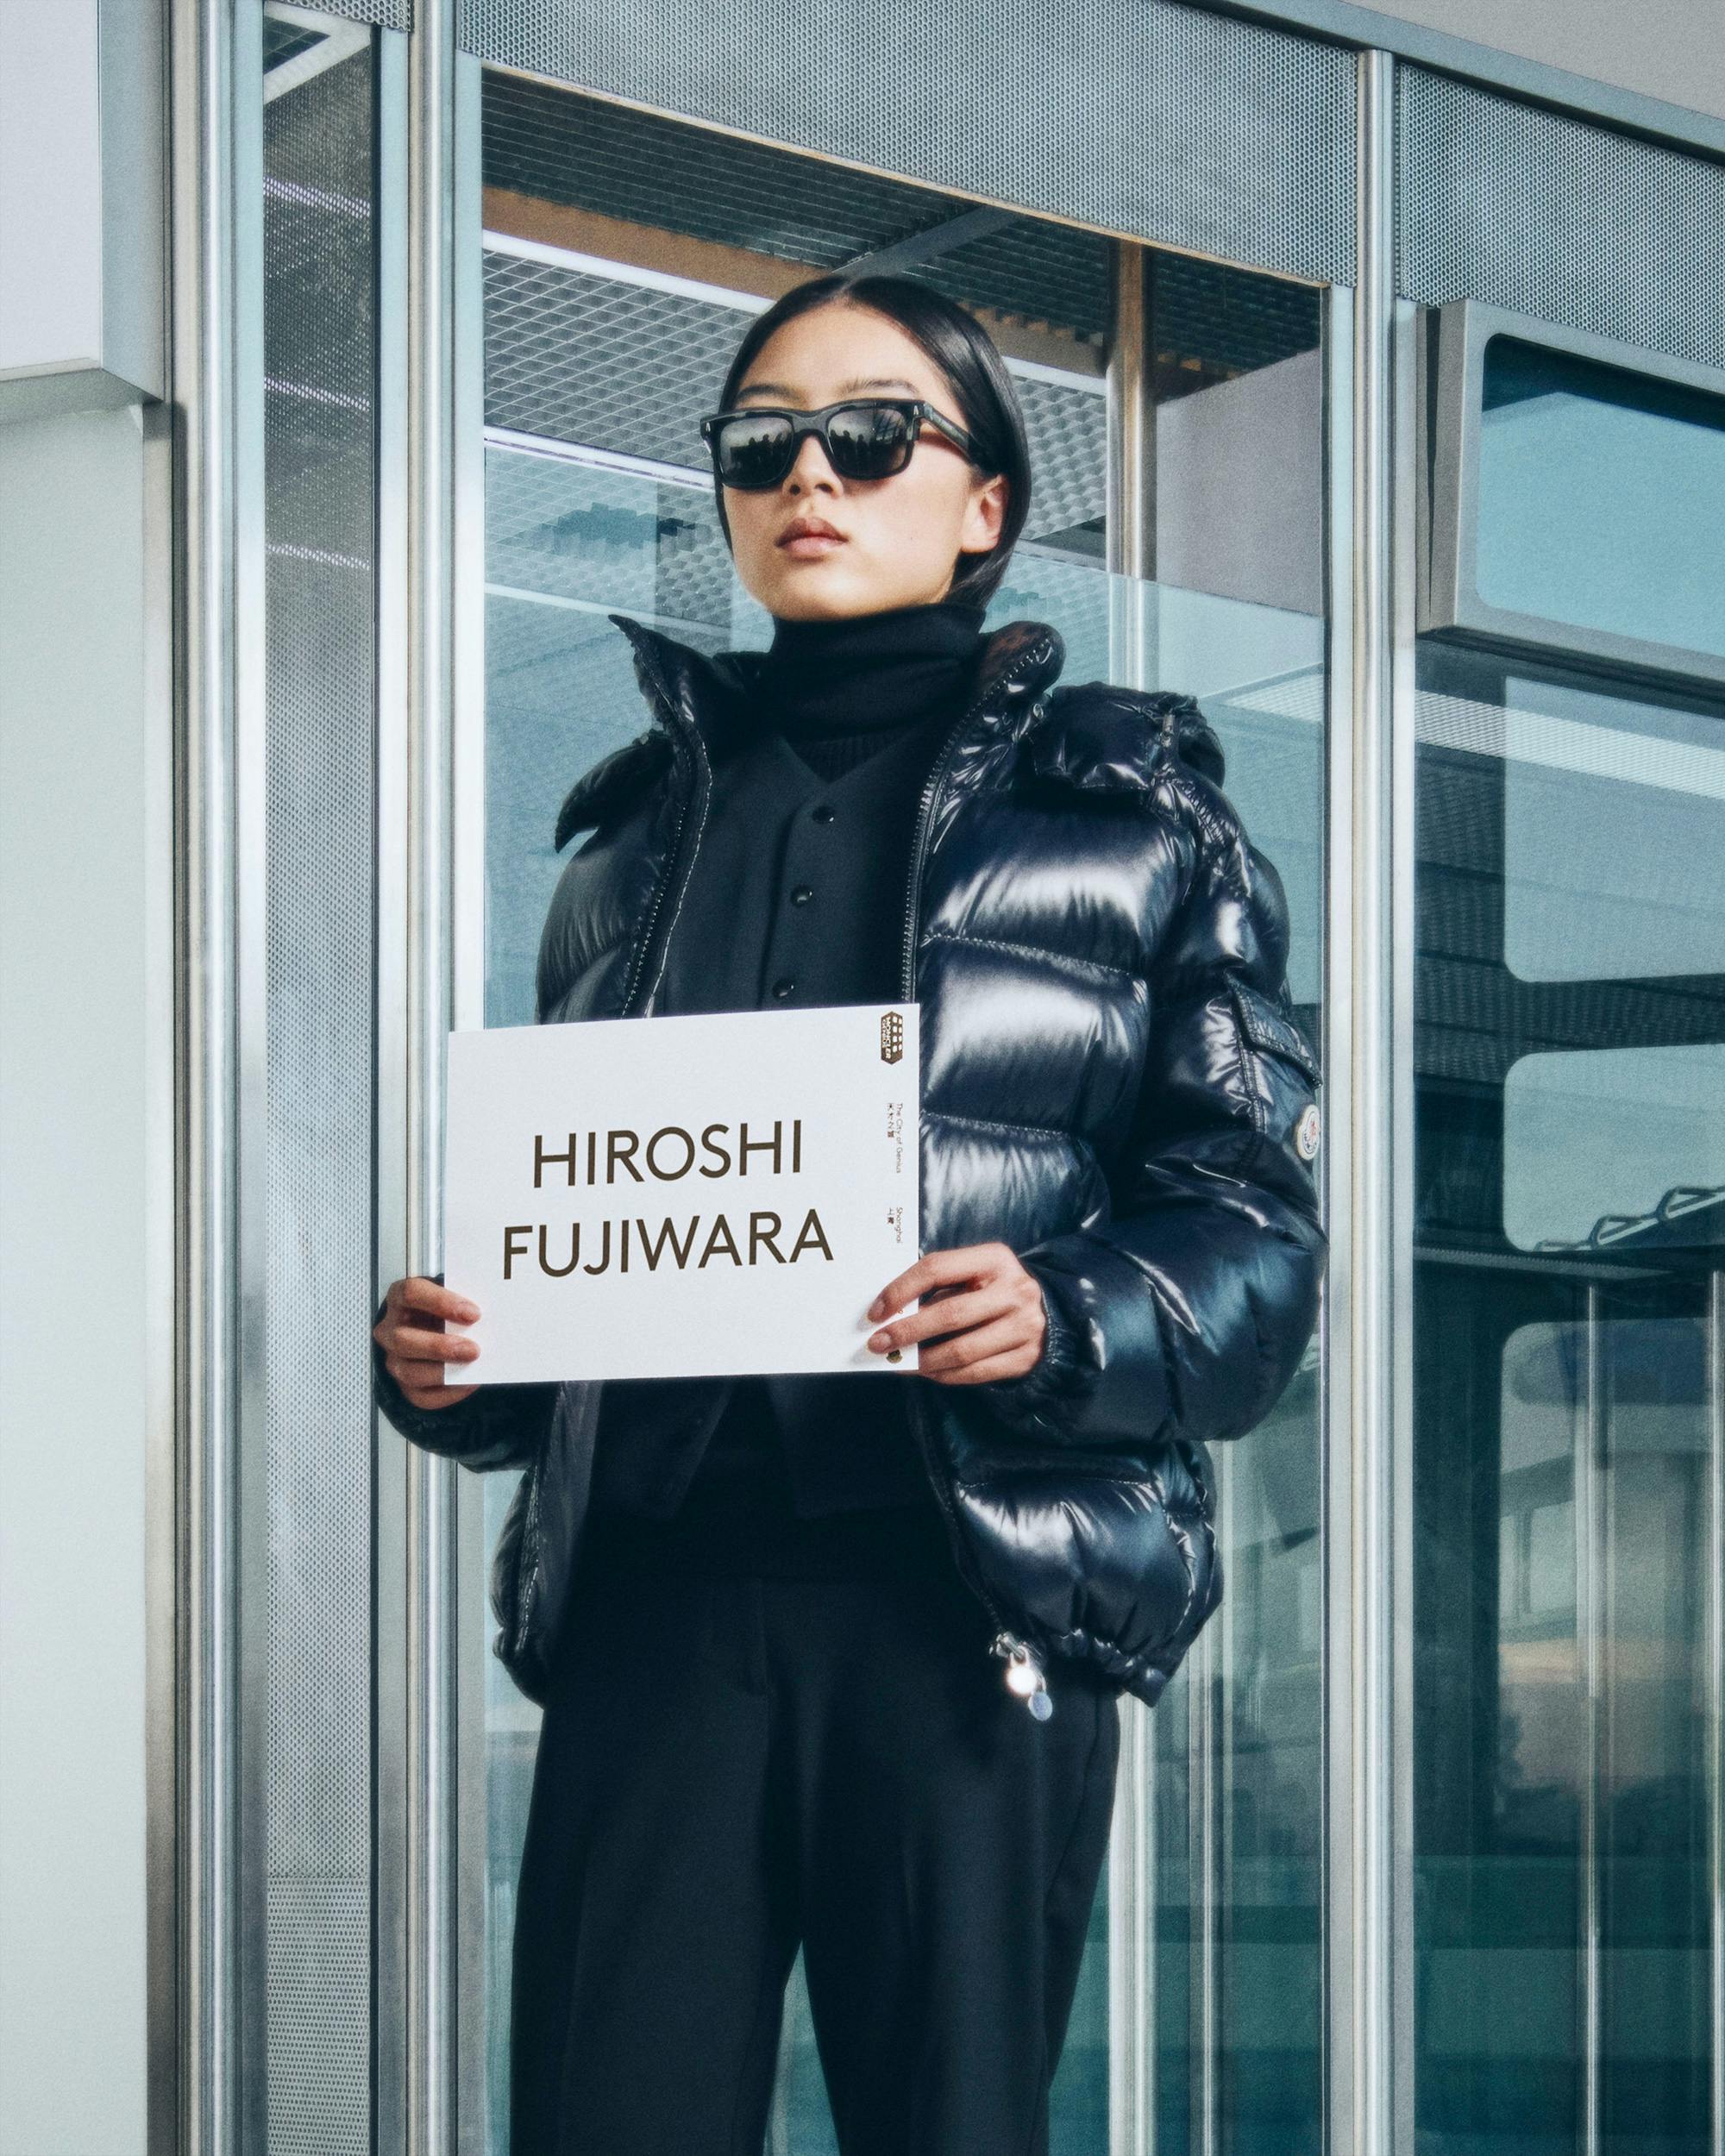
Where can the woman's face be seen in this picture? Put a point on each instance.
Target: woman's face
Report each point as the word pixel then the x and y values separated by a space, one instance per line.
pixel 898 539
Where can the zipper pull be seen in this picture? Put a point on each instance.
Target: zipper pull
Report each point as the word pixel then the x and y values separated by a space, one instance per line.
pixel 1024 1674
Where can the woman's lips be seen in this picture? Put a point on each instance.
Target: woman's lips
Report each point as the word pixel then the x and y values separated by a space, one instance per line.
pixel 810 546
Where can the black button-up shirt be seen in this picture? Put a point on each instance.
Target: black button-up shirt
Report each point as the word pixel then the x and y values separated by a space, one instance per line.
pixel 798 893
pixel 796 898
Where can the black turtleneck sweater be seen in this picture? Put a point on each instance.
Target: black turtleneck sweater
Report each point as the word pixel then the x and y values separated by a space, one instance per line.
pixel 797 898
pixel 839 690
pixel 797 891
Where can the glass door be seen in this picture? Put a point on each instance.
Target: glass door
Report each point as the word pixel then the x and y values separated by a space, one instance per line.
pixel 625 254
pixel 1570 1420
pixel 1569 1336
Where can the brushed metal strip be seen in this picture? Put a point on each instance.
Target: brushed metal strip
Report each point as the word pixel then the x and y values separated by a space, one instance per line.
pixel 431 1568
pixel 469 1639
pixel 249 1613
pixel 1211 1872
pixel 1130 499
pixel 1396 1614
pixel 1715 1698
pixel 390 1921
pixel 165 1002
pixel 1365 2030
pixel 1591 1497
pixel 1336 1163
pixel 1132 1850
pixel 213 57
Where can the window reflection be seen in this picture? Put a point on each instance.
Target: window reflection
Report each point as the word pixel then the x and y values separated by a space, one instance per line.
pixel 1602 498
pixel 1615 1146
pixel 1569 1354
pixel 599 498
pixel 1609 804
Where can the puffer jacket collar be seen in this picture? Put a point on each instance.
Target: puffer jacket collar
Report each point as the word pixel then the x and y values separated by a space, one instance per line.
pixel 1091 737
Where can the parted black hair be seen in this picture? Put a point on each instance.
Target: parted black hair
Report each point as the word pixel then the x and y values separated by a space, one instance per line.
pixel 976 374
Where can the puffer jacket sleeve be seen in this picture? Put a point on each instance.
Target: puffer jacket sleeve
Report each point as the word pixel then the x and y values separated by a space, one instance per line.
pixel 1189 1309
pixel 495 1426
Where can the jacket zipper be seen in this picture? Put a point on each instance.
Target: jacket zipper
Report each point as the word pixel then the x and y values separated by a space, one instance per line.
pixel 1024 1673
pixel 1037 652
pixel 678 873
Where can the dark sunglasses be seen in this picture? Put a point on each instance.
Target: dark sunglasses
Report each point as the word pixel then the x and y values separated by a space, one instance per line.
pixel 865 438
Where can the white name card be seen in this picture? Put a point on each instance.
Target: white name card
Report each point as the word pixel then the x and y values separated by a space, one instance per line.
pixel 681 1197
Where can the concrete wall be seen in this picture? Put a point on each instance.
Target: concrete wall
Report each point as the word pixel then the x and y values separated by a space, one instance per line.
pixel 85 1267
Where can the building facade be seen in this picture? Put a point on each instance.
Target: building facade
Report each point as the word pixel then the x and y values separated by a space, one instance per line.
pixel 1374 375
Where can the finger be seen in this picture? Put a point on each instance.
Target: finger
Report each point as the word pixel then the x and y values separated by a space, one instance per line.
pixel 986 1372
pixel 951 1312
pixel 411 1371
pixel 1006 1336
pixel 436 1395
pixel 433 1347
pixel 936 1269
pixel 433 1300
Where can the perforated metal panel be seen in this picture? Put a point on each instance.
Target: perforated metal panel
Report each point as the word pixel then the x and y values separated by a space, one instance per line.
pixel 1137 116
pixel 390 15
pixel 644 169
pixel 318 2048
pixel 1508 203
pixel 319 670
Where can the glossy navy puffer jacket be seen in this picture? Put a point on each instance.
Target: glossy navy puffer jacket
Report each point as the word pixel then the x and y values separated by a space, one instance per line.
pixel 1113 1085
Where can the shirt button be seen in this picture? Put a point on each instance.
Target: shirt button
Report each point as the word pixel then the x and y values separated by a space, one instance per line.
pixel 824 814
pixel 802 895
pixel 783 986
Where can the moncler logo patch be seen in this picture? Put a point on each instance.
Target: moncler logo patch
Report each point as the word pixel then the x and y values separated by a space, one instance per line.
pixel 1307 1131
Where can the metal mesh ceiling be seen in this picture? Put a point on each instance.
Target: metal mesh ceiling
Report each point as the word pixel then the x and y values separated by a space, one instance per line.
pixel 391 15
pixel 287 41
pixel 1209 322
pixel 644 169
pixel 574 356
pixel 1554 217
pixel 1140 118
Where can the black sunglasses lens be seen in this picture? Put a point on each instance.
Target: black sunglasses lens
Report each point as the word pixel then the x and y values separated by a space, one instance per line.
pixel 866 442
pixel 869 442
pixel 754 451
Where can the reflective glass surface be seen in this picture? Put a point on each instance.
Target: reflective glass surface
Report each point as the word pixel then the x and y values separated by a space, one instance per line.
pixel 1602 498
pixel 1569 1321
pixel 598 497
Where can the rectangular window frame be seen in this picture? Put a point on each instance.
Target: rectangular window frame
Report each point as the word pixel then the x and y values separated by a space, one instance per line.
pixel 1451 357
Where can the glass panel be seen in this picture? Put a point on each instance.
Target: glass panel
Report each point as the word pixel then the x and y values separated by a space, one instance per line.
pixel 1571 1193
pixel 615 294
pixel 1602 498
pixel 1595 1139
pixel 1587 764
pixel 316 1473
pixel 1236 1739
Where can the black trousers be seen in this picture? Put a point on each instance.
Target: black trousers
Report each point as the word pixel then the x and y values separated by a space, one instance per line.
pixel 728 1766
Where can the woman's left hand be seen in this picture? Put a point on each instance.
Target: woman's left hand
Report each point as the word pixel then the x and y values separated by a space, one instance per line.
pixel 985 1309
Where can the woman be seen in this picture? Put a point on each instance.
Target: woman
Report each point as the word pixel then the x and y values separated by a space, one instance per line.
pixel 769 1618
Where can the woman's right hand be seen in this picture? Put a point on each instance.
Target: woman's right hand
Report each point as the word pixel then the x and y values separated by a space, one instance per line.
pixel 414 1344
